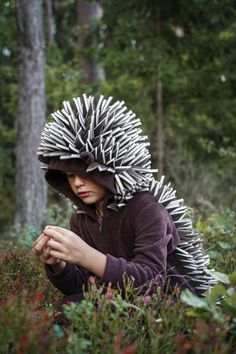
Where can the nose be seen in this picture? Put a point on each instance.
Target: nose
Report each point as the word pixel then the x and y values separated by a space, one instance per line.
pixel 78 181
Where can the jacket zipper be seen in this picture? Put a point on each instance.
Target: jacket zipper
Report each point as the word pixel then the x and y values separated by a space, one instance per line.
pixel 100 221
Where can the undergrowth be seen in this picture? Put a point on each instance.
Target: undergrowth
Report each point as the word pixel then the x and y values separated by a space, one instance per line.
pixel 108 321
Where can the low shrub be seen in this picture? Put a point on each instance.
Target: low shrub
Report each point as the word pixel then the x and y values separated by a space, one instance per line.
pixel 26 329
pixel 108 321
pixel 21 272
pixel 218 231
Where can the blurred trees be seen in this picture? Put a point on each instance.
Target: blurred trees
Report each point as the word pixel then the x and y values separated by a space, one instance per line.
pixel 195 56
pixel 197 76
pixel 87 12
pixel 31 196
pixel 8 100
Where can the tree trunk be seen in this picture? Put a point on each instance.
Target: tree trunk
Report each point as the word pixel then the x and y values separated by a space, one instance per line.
pixel 159 124
pixel 31 197
pixel 50 25
pixel 87 12
pixel 159 131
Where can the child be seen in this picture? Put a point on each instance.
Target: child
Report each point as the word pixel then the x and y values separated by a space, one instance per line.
pixel 126 223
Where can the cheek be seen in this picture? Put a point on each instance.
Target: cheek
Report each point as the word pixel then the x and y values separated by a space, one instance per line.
pixel 72 186
pixel 102 193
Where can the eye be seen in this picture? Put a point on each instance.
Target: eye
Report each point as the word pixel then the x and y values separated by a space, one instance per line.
pixel 70 174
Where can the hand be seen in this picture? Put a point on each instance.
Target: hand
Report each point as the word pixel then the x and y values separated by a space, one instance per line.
pixel 69 247
pixel 65 244
pixel 42 252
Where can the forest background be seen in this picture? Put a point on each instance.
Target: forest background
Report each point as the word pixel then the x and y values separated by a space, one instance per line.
pixel 172 62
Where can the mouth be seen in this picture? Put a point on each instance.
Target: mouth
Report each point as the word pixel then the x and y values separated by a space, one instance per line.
pixel 84 194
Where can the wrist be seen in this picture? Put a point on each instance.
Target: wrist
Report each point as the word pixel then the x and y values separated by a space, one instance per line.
pixel 94 261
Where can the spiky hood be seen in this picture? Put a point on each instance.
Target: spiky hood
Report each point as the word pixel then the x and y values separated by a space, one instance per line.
pixel 104 136
pixel 106 140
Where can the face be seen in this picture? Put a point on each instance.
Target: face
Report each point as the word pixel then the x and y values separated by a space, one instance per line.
pixel 87 190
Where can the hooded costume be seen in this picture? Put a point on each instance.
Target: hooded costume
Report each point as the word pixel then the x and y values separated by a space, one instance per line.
pixel 145 232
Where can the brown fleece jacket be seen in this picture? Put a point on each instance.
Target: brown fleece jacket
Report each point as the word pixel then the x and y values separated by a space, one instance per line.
pixel 139 240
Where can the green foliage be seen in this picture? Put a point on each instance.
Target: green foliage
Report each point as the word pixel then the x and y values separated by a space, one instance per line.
pixel 120 322
pixel 198 82
pixel 31 331
pixel 219 303
pixel 24 236
pixel 104 319
pixel 149 324
pixel 197 75
pixel 67 73
pixel 219 234
pixel 8 104
pixel 21 272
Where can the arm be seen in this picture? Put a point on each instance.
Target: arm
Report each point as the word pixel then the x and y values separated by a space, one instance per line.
pixel 153 242
pixel 68 280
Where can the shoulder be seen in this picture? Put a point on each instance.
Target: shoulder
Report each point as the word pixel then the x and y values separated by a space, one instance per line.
pixel 145 198
pixel 144 203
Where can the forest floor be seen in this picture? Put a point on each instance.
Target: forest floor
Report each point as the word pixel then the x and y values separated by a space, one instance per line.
pixel 105 321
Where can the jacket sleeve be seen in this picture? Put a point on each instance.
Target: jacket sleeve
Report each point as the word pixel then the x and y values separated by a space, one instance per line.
pixel 71 278
pixel 155 238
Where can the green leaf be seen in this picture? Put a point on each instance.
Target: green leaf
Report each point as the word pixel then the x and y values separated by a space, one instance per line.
pixel 58 331
pixel 214 293
pixel 224 245
pixel 192 300
pixel 197 313
pixel 230 292
pixel 232 278
pixel 213 254
pixel 222 277
pixel 229 303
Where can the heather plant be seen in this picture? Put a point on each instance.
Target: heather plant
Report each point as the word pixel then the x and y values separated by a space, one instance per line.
pixel 161 323
pixel 108 322
pixel 25 329
pixel 114 321
pixel 21 272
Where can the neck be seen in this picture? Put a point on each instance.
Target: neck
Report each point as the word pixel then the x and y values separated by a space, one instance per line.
pixel 99 207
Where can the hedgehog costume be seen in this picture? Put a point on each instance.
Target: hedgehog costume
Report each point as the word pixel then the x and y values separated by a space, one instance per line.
pixel 145 232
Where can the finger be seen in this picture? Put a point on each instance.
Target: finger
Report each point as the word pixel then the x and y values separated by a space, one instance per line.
pixel 35 251
pixel 38 239
pixel 47 250
pixel 57 236
pixel 92 279
pixel 48 260
pixel 59 229
pixel 41 243
pixel 56 228
pixel 44 258
pixel 59 255
pixel 52 261
pixel 54 245
pixel 38 248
